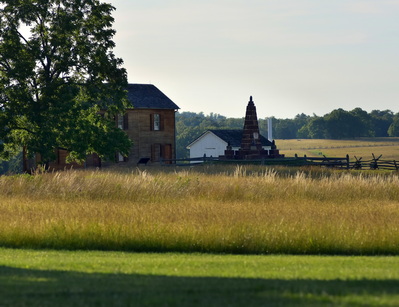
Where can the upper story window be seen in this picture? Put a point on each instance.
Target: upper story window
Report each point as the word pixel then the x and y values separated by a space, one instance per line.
pixel 120 121
pixel 156 122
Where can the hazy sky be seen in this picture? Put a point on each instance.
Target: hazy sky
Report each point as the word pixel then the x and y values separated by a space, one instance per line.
pixel 292 56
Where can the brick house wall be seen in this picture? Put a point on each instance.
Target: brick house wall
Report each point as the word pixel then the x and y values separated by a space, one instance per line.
pixel 152 137
pixel 150 125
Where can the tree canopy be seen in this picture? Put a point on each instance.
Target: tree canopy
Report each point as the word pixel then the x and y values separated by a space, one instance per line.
pixel 60 82
pixel 393 129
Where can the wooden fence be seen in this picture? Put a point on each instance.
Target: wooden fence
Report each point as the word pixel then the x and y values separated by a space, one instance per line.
pixel 337 162
pixel 373 163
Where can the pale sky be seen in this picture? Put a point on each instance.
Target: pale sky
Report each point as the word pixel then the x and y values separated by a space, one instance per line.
pixel 292 56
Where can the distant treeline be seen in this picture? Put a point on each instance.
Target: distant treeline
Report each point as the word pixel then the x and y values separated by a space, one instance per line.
pixel 338 124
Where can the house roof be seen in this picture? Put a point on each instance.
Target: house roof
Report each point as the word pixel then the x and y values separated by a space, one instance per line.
pixel 148 96
pixel 231 136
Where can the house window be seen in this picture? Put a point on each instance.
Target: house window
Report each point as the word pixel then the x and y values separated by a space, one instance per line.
pixel 120 121
pixel 120 158
pixel 157 122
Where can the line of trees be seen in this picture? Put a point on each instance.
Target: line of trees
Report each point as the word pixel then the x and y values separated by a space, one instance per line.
pixel 338 124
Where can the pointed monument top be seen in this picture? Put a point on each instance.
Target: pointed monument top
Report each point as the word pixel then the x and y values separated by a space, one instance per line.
pixel 251 102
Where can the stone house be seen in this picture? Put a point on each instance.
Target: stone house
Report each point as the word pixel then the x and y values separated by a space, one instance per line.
pixel 150 124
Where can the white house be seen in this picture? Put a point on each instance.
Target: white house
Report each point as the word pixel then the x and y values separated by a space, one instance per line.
pixel 214 143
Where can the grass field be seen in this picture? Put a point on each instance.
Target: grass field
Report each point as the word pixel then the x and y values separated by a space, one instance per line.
pixel 93 278
pixel 247 210
pixel 362 147
pixel 247 222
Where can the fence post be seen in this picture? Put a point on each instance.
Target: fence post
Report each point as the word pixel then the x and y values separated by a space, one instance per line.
pixel 396 166
pixel 347 161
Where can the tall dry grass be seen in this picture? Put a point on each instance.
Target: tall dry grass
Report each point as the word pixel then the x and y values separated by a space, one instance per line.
pixel 214 209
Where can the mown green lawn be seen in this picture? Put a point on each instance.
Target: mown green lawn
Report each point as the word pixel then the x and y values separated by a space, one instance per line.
pixel 94 278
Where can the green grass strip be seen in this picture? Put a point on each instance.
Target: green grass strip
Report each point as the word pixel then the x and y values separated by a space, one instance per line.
pixel 94 278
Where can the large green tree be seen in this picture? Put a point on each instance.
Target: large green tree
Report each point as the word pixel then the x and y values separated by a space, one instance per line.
pixel 60 82
pixel 394 127
pixel 315 128
pixel 340 123
pixel 362 126
pixel 381 120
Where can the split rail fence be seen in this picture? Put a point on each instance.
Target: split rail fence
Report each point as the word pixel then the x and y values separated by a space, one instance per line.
pixel 338 162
